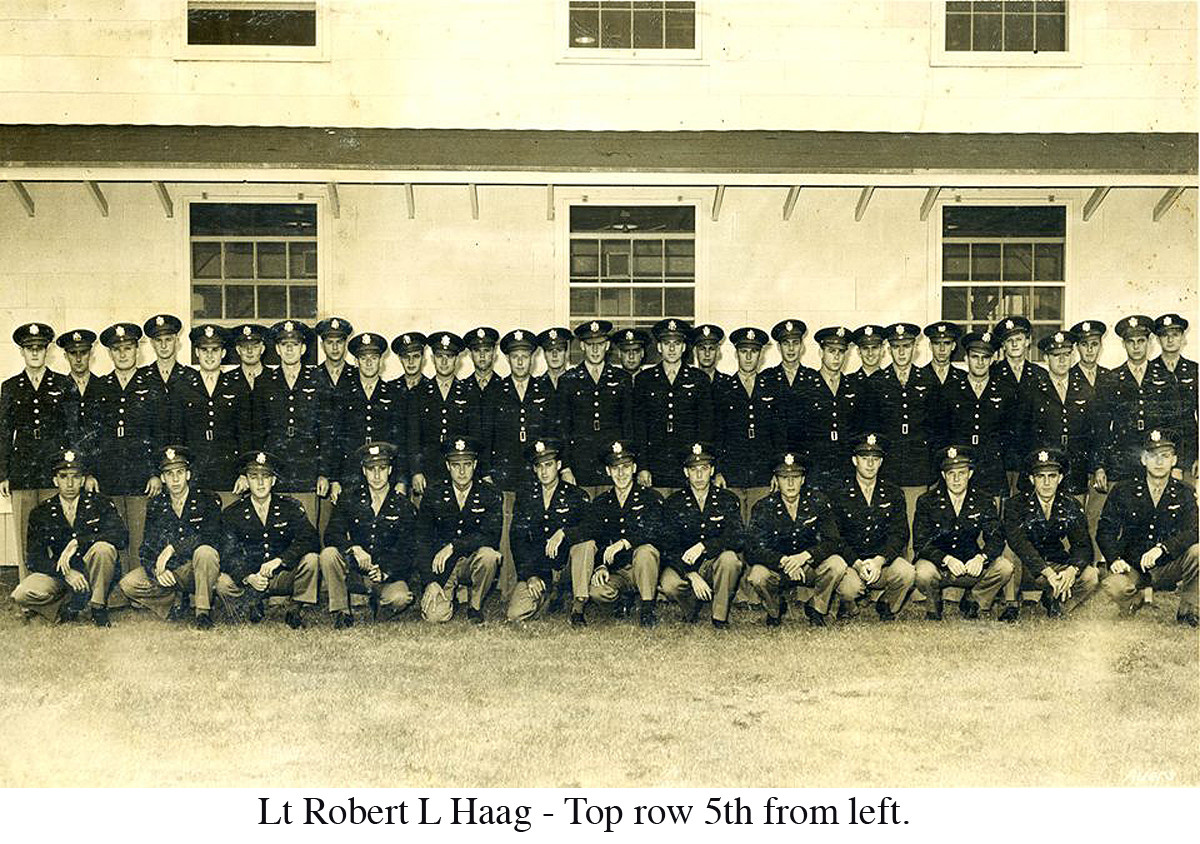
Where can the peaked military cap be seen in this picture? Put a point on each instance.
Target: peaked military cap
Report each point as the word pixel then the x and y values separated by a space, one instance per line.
pixel 375 453
pixel 901 331
pixel 260 460
pixel 482 336
pixel 789 329
pixel 1133 326
pixel 699 452
pixel 250 332
pixel 1011 325
pixel 665 328
pixel 1057 342
pixel 870 443
pixel 706 333
pixel 516 339
pixel 868 335
pixel 409 341
pixel 1048 457
pixel 836 335
pixel 33 334
pixel 78 338
pixel 208 335
pixel 334 327
pixel 943 330
pixel 162 324
pixel 121 332
pixel 1159 438
pixel 445 342
pixel 1088 328
pixel 1168 321
pixel 618 451
pixel 631 338
pixel 291 329
pixel 790 463
pixel 595 329
pixel 955 456
pixel 367 342
pixel 979 340
pixel 748 337
pixel 171 456
pixel 67 458
pixel 543 449
pixel 460 447
pixel 553 337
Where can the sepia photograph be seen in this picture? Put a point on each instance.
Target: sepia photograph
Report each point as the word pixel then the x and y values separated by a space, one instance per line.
pixel 598 394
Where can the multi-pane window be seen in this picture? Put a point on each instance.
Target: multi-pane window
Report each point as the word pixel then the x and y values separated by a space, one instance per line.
pixel 633 265
pixel 253 261
pixel 1004 260
pixel 1028 26
pixel 261 24
pixel 624 25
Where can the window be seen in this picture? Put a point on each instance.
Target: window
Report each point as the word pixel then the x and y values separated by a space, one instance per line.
pixel 253 262
pixel 1004 260
pixel 633 265
pixel 269 29
pixel 1004 33
pixel 620 30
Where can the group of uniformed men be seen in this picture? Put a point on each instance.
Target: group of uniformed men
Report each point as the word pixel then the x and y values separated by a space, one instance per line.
pixel 600 482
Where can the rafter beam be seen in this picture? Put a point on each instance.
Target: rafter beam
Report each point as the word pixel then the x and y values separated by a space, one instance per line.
pixel 718 198
pixel 23 196
pixel 164 199
pixel 97 195
pixel 790 203
pixel 931 196
pixel 473 191
pixel 549 202
pixel 1093 204
pixel 410 200
pixel 335 201
pixel 1168 200
pixel 864 199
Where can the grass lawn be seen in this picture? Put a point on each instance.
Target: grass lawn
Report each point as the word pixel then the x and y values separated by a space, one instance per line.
pixel 1092 700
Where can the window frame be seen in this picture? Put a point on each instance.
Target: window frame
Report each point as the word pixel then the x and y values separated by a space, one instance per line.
pixel 622 56
pixel 936 242
pixel 939 56
pixel 253 52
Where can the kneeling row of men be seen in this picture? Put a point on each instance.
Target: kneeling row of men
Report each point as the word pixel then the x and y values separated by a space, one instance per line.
pixel 625 544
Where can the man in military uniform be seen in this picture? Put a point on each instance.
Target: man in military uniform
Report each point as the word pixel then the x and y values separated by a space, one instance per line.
pixel 1014 335
pixel 333 334
pixel 77 346
pixel 212 418
pixel 959 541
pixel 268 546
pixel 631 349
pixel 439 409
pixel 868 339
pixel 704 541
pixel 178 553
pixel 789 382
pixel 625 531
pixel 1047 533
pixel 548 538
pixel 1088 339
pixel 370 544
pixel 162 375
pixel 409 348
pixel 793 540
pixel 297 414
pixel 871 520
pixel 249 343
pixel 748 426
pixel 369 409
pixel 705 341
pixel 1062 412
pixel 38 413
pixel 1169 328
pixel 674 405
pixel 1137 398
pixel 902 407
pixel 981 413
pixel 71 548
pixel 483 390
pixel 1089 336
pixel 834 407
pixel 131 416
pixel 1147 532
pixel 595 407
pixel 459 529
pixel 555 344
pixel 943 340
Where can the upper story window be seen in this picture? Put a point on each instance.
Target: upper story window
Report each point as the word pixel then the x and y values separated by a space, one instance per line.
pixel 621 30
pixel 1004 33
pixel 243 30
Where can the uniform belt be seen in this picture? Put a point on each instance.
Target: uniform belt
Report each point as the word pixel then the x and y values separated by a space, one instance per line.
pixel 290 431
pixel 208 435
pixel 36 433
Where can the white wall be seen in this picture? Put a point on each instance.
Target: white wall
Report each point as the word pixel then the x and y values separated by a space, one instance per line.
pixel 785 64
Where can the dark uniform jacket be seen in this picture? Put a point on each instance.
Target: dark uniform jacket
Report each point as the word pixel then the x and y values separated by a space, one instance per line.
pixel 668 417
pixel 349 372
pixel 938 531
pixel 247 543
pixel 591 414
pixel 1186 375
pixel 519 422
pixel 773 534
pixel 906 415
pixel 433 419
pixel 198 524
pixel 1070 426
pixel 639 521
pixel 718 526
pixel 986 423
pixel 129 428
pixel 34 426
pixel 160 397
pixel 441 522
pixel 89 419
pixel 749 431
pixel 484 400
pixel 790 402
pixel 1038 541
pixel 1131 524
pixel 298 427
pixel 939 425
pixel 1034 379
pixel 249 404
pixel 215 427
pixel 878 528
pixel 96 520
pixel 1133 410
pixel 831 422
pixel 534 523
pixel 363 419
pixel 390 536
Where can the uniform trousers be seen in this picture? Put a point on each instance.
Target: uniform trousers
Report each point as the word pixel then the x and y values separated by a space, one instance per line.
pixel 522 606
pixel 721 573
pixel 132 509
pixel 198 575
pixel 748 496
pixel 640 574
pixel 1092 509
pixel 23 502
pixel 895 579
pixel 1087 579
pixel 508 570
pixel 342 578
pixel 1179 572
pixel 300 584
pixel 477 569
pixel 911 494
pixel 45 593
pixel 823 578
pixel 984 588
pixel 307 500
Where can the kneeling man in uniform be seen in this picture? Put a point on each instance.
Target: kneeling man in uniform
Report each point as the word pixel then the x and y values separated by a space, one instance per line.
pixel 179 546
pixel 704 541
pixel 370 543
pixel 71 549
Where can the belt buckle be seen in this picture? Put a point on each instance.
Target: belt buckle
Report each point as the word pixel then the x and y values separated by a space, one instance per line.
pixel 974 439
pixel 522 435
pixel 670 427
pixel 1141 424
pixel 1064 440
pixel 290 431
pixel 120 432
pixel 750 434
pixel 833 436
pixel 595 424
pixel 37 433
pixel 904 428
pixel 208 435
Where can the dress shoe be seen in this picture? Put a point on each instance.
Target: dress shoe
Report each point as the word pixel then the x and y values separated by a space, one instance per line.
pixel 474 616
pixel 1053 606
pixel 66 614
pixel 968 608
pixel 1011 613
pixel 294 619
pixel 342 620
pixel 815 618
pixel 257 612
pixel 647 617
pixel 934 614
pixel 773 621
pixel 578 619
pixel 373 605
pixel 203 621
pixel 1189 618
pixel 555 605
pixel 693 615
pixel 843 611
pixel 720 623
pixel 176 613
pixel 884 611
pixel 100 617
